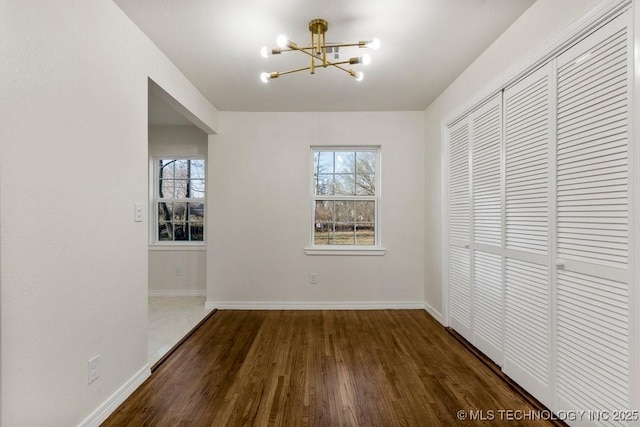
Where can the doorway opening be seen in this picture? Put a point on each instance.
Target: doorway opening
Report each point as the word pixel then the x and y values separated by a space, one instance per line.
pixel 177 150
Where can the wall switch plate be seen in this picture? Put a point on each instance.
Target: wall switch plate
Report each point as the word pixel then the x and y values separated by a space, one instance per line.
pixel 137 212
pixel 313 279
pixel 94 368
pixel 178 271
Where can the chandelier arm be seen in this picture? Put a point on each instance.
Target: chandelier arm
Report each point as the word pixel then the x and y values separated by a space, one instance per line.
pixel 304 50
pixel 332 64
pixel 359 44
pixel 281 73
pixel 289 49
pixel 337 65
pixel 325 45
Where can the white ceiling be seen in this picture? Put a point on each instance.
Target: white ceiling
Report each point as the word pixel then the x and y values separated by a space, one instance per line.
pixel 426 44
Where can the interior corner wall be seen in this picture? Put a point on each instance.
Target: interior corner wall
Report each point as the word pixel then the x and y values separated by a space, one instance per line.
pixel 165 262
pixel 259 211
pixel 540 22
pixel 73 161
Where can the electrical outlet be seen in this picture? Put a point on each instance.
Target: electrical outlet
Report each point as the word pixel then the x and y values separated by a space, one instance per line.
pixel 313 279
pixel 94 368
pixel 178 271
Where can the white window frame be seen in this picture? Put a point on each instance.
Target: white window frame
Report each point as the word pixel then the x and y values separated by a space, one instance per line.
pixel 155 243
pixel 377 248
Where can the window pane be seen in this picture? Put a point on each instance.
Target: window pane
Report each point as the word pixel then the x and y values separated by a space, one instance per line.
pixel 165 231
pixel 197 169
pixel 165 212
pixel 323 162
pixel 365 234
pixel 324 212
pixel 345 162
pixel 179 212
pixel 166 189
pixel 323 234
pixel 180 231
pixel 196 212
pixel 365 162
pixel 344 234
pixel 345 185
pixel 166 168
pixel 180 188
pixel 344 211
pixel 182 169
pixel 324 185
pixel 365 211
pixel 165 226
pixel 366 185
pixel 197 232
pixel 197 188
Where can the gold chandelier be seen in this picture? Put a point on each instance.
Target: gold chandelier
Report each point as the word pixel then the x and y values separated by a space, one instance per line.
pixel 318 52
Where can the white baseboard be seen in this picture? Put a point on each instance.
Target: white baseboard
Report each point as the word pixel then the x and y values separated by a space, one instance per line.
pixel 303 305
pixel 434 313
pixel 178 293
pixel 111 404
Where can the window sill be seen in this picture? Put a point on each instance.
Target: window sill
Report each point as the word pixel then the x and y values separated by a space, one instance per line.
pixel 178 247
pixel 360 251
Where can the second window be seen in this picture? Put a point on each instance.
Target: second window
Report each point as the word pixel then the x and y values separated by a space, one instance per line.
pixel 346 193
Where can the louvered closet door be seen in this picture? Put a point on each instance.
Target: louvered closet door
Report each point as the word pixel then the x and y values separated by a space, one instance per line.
pixel 528 138
pixel 460 291
pixel 486 146
pixel 593 139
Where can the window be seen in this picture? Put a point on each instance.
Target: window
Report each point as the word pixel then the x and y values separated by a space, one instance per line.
pixel 179 200
pixel 345 199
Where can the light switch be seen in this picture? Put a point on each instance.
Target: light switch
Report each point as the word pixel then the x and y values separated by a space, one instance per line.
pixel 138 212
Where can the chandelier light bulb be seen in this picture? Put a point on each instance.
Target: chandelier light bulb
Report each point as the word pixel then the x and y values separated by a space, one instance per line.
pixel 282 40
pixel 359 76
pixel 366 59
pixel 374 44
pixel 265 77
pixel 264 52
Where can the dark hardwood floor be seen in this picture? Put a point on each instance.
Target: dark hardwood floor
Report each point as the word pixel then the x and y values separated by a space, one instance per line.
pixel 320 368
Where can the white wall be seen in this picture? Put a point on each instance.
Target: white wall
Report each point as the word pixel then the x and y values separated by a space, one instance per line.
pixel 177 272
pixel 259 210
pixel 164 279
pixel 177 141
pixel 542 20
pixel 73 161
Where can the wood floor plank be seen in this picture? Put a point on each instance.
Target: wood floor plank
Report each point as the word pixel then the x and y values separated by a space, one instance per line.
pixel 319 368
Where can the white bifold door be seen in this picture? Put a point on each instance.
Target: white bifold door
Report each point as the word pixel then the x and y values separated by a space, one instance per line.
pixel 486 208
pixel 529 118
pixel 475 230
pixel 540 225
pixel 592 168
pixel 460 291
